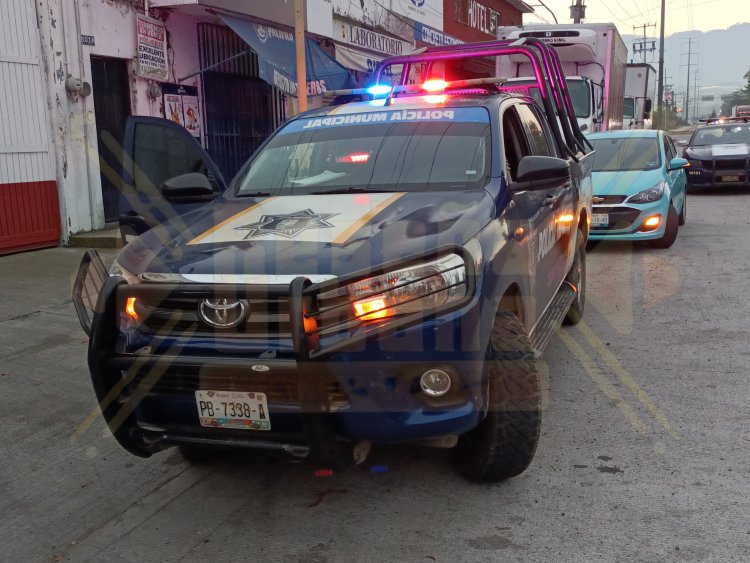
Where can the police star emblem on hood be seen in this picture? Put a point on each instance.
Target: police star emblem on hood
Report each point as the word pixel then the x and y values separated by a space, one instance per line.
pixel 287 225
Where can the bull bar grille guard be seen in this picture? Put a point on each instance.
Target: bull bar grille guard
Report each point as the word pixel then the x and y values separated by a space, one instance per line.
pixel 112 371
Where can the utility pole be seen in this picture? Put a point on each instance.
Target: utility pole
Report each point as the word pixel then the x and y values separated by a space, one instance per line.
pixel 643 47
pixel 578 11
pixel 299 41
pixel 660 94
pixel 687 89
pixel 696 92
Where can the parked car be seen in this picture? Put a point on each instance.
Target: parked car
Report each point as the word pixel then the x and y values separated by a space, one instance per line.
pixel 639 187
pixel 719 153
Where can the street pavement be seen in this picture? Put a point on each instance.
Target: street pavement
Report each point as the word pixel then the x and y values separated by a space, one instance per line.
pixel 643 457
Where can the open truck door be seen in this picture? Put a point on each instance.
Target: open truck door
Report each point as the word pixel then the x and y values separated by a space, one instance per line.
pixel 166 173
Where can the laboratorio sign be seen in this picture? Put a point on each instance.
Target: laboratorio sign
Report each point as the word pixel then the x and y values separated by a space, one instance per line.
pixel 368 39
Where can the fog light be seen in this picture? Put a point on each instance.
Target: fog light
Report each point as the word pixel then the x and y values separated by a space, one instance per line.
pixel 435 382
pixel 651 222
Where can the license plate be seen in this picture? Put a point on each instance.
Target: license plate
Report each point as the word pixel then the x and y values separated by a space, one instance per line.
pixel 730 178
pixel 233 409
pixel 600 220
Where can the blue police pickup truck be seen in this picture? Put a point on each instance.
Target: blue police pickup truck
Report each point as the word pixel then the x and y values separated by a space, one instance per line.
pixel 380 271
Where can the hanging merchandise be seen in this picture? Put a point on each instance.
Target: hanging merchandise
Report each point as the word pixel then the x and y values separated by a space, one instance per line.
pixel 181 105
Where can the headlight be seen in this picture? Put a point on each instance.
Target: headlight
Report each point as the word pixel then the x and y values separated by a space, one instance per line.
pixel 117 270
pixel 648 196
pixel 410 290
pixel 695 163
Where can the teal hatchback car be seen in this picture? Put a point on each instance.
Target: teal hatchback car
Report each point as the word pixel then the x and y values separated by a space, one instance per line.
pixel 639 187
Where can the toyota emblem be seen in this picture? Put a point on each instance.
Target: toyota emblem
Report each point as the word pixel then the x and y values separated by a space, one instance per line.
pixel 222 313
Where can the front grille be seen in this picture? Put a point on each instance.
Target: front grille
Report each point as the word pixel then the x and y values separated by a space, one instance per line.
pixel 281 389
pixel 734 164
pixel 178 315
pixel 619 218
pixel 609 199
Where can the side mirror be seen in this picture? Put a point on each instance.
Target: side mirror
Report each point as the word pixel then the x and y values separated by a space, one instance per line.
pixel 647 106
pixel 188 188
pixel 682 143
pixel 541 173
pixel 677 164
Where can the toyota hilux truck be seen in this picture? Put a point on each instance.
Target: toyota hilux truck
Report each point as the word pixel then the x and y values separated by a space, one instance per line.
pixel 382 271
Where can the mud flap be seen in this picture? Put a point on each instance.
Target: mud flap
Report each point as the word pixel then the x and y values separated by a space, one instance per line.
pixel 87 286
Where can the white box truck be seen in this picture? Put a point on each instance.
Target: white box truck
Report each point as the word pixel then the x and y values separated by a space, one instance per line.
pixel 640 93
pixel 594 59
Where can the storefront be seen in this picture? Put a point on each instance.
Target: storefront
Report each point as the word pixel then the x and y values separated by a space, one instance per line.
pixel 224 69
pixel 229 78
pixel 29 207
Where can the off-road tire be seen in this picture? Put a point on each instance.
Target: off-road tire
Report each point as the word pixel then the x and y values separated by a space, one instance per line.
pixel 503 444
pixel 683 212
pixel 577 278
pixel 670 233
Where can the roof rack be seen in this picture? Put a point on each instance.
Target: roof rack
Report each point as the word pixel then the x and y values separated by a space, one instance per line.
pixel 547 69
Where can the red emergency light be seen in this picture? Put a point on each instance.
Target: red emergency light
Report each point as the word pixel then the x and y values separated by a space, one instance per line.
pixel 355 157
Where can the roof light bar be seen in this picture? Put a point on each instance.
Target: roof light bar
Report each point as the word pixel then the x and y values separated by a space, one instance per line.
pixel 428 86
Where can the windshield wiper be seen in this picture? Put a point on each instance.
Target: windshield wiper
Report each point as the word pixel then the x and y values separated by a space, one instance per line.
pixel 351 191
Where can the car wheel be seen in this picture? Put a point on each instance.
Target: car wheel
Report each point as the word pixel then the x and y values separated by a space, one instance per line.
pixel 670 233
pixel 503 444
pixel 577 278
pixel 683 213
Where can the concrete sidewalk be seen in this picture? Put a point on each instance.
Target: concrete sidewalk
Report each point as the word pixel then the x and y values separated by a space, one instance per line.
pixel 40 282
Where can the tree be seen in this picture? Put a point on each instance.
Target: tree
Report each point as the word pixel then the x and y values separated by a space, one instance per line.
pixel 738 97
pixel 713 114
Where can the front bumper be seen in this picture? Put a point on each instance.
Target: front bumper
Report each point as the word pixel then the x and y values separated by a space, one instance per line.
pixel 720 173
pixel 627 221
pixel 147 396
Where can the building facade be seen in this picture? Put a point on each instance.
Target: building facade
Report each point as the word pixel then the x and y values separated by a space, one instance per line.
pixel 75 70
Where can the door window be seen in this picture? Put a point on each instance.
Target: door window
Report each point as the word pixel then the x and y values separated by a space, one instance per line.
pixel 161 153
pixel 514 140
pixel 669 150
pixel 537 134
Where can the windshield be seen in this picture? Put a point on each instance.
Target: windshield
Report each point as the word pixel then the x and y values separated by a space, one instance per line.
pixel 580 96
pixel 398 150
pixel 628 108
pixel 626 154
pixel 577 89
pixel 721 135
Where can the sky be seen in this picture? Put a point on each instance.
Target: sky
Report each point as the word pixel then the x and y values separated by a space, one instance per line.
pixel 681 15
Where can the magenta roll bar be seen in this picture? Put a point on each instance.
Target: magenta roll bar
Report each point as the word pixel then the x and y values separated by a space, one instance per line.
pixel 548 73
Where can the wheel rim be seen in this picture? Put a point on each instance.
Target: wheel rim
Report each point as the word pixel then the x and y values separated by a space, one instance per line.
pixel 578 277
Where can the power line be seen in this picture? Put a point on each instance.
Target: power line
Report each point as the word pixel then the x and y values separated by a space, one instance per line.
pixel 543 5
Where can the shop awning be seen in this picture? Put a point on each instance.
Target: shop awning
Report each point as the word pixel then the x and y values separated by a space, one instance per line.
pixel 356 59
pixel 277 59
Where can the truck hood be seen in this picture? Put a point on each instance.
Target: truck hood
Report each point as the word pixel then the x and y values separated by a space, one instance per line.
pixel 314 235
pixel 625 183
